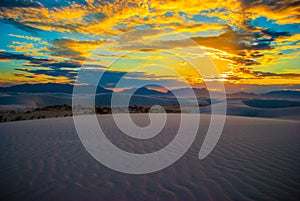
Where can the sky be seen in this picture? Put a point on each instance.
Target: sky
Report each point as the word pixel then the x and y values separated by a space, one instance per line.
pixel 253 45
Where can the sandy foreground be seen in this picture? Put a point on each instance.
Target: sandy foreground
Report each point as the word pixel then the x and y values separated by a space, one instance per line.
pixel 255 159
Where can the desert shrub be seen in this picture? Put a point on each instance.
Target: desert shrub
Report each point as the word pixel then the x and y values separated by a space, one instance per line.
pixel 146 109
pixel 19 118
pixel 68 108
pixel 99 110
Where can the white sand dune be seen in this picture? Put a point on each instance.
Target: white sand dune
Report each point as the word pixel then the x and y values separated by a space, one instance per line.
pixel 236 107
pixel 255 159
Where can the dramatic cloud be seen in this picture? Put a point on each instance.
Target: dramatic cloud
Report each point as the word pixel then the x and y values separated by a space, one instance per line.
pixel 283 11
pixel 20 4
pixel 249 41
pixel 37 61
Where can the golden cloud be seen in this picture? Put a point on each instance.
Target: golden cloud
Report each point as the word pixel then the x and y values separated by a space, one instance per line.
pixel 231 50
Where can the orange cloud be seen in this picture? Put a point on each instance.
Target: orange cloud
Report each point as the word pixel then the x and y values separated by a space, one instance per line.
pixel 233 50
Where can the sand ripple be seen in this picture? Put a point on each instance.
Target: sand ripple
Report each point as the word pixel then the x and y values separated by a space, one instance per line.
pixel 255 159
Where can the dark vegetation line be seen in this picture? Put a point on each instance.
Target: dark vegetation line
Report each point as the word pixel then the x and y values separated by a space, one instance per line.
pixel 66 110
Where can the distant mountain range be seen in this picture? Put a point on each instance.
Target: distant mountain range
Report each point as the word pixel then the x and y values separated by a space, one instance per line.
pixel 182 93
pixel 243 95
pixel 283 94
pixel 144 92
pixel 48 88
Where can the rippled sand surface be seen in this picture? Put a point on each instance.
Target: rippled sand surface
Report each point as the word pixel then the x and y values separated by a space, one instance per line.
pixel 255 159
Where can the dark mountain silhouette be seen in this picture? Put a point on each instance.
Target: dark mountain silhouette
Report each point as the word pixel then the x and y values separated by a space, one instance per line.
pixel 145 92
pixel 259 103
pixel 180 93
pixel 186 92
pixel 283 94
pixel 243 95
pixel 39 88
pixel 49 88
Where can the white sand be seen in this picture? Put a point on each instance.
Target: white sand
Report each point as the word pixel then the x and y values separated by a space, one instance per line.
pixel 255 159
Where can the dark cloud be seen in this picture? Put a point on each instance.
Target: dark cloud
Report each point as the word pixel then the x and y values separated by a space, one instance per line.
pixel 253 74
pixel 19 25
pixel 70 74
pixel 53 65
pixel 56 69
pixel 256 54
pixel 38 4
pixel 13 56
pixel 281 75
pixel 19 3
pixel 148 50
pixel 274 5
pixel 275 34
pixel 38 62
pixel 60 3
pixel 244 61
